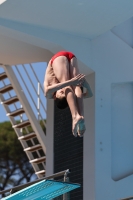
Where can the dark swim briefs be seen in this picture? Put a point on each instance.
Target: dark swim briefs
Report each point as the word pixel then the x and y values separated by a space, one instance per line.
pixel 67 54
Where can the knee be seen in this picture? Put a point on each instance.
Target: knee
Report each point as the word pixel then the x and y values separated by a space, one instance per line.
pixel 68 89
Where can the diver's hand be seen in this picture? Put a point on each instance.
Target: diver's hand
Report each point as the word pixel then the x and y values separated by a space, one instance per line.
pixel 78 80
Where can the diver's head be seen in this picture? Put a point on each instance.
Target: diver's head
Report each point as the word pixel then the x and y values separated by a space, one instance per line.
pixel 60 99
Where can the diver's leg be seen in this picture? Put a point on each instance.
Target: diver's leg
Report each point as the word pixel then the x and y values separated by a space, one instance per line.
pixel 61 71
pixel 74 71
pixel 76 118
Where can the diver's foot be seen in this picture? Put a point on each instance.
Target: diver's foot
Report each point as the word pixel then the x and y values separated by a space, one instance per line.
pixel 76 122
pixel 81 128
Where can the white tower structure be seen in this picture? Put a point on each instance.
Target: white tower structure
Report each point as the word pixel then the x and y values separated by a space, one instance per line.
pixel 100 34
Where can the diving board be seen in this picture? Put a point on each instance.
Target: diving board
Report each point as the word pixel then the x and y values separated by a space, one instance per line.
pixel 45 190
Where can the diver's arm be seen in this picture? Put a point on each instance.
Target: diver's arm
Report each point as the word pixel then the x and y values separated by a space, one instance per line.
pixel 49 90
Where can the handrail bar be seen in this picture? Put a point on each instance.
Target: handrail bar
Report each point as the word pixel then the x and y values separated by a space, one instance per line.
pixel 36 77
pixel 29 93
pixel 65 172
pixel 33 86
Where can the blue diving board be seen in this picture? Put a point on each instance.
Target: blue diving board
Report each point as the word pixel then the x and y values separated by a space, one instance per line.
pixel 43 190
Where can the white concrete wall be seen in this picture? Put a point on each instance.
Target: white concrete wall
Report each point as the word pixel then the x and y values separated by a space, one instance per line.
pixel 113 66
pixel 89 144
pixel 125 31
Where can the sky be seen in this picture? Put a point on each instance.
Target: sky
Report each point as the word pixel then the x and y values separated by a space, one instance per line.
pixel 40 72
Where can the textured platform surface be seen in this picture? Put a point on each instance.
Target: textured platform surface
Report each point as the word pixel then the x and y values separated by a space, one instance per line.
pixel 45 190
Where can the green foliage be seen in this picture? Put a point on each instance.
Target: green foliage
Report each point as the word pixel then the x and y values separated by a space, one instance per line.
pixel 14 164
pixel 9 144
pixel 42 125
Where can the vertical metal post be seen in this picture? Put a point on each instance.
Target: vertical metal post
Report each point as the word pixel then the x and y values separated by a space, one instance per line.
pixel 21 119
pixel 66 196
pixel 38 101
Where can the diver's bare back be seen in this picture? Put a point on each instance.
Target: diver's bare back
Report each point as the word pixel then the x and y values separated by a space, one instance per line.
pixel 50 78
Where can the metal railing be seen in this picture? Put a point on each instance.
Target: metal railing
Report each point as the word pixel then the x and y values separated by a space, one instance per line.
pixel 17 119
pixel 21 117
pixel 33 90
